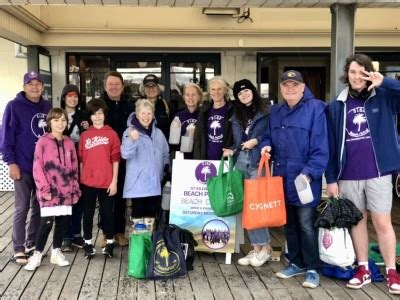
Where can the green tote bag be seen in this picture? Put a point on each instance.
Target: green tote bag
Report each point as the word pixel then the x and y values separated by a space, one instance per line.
pixel 139 253
pixel 225 191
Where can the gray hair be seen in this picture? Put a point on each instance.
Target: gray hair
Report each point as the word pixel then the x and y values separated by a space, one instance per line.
pixel 222 82
pixel 143 103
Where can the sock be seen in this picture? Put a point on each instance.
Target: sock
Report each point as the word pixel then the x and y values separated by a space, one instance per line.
pixel 110 241
pixel 387 269
pixel 89 242
pixel 365 264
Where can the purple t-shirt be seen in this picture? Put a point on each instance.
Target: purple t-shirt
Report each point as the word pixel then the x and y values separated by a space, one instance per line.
pixel 215 125
pixel 186 118
pixel 360 159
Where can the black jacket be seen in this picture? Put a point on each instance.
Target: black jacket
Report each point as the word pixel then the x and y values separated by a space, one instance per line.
pixel 163 114
pixel 201 133
pixel 77 118
pixel 118 113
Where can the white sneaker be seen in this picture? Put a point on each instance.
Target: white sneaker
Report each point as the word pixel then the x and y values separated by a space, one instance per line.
pixel 245 261
pixel 34 261
pixel 260 258
pixel 58 258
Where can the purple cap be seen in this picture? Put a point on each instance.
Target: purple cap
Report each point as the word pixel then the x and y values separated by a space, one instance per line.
pixel 292 75
pixel 32 75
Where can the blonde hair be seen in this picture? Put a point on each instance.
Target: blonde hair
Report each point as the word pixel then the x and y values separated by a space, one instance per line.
pixel 222 82
pixel 143 103
pixel 198 90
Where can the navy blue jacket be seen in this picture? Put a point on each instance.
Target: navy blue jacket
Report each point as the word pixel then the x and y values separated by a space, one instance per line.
pixel 299 140
pixel 256 130
pixel 381 109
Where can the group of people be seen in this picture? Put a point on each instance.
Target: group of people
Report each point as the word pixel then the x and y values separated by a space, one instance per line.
pixel 123 154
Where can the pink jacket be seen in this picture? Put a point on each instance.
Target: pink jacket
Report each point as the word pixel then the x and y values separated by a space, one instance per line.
pixel 55 170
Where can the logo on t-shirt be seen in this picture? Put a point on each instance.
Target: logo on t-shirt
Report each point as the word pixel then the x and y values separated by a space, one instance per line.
pixel 215 133
pixel 96 141
pixel 38 124
pixel 358 127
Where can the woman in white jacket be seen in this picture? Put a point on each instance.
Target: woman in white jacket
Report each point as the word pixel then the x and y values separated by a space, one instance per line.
pixel 147 155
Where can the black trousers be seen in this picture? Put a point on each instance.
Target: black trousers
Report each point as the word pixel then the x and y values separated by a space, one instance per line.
pixel 106 202
pixel 120 203
pixel 146 207
pixel 46 224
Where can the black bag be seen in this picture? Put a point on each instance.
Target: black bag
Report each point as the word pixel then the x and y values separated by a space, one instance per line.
pixel 167 259
pixel 188 243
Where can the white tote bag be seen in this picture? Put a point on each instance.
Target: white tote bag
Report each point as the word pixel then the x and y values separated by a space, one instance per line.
pixel 336 246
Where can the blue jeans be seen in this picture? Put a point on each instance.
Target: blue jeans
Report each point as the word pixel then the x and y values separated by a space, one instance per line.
pixel 260 236
pixel 302 237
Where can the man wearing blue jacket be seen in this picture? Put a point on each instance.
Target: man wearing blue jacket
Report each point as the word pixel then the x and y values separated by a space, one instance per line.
pixel 364 151
pixel 24 121
pixel 297 139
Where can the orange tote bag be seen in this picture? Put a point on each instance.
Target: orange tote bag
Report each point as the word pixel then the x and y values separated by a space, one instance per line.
pixel 264 201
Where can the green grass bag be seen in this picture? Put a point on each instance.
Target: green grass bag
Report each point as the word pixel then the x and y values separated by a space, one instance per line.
pixel 139 253
pixel 225 191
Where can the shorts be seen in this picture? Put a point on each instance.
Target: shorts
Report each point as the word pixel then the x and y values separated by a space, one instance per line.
pixel 374 194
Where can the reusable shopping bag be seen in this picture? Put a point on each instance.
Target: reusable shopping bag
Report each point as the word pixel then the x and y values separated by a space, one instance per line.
pixel 225 191
pixel 139 254
pixel 167 259
pixel 336 246
pixel 264 200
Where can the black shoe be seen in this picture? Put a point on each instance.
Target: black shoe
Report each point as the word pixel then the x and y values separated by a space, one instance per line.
pixel 108 250
pixel 66 246
pixel 78 242
pixel 89 250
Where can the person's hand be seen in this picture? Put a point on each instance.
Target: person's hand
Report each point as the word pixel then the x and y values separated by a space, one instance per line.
pixel 112 189
pixel 46 197
pixel 14 172
pixel 227 152
pixel 250 144
pixel 266 151
pixel 134 134
pixel 85 124
pixel 375 78
pixel 332 189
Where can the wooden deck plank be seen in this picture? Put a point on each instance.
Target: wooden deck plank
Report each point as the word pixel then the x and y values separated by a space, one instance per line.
pixel 253 283
pixel 235 282
pixel 164 289
pixel 217 281
pixel 146 290
pixel 127 285
pixel 200 285
pixel 182 288
pixel 109 286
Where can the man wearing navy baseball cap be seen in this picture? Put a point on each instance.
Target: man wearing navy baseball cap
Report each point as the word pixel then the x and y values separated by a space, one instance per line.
pixel 298 137
pixel 24 121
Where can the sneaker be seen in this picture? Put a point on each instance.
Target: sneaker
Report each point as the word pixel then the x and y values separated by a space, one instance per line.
pixel 290 271
pixel 89 250
pixel 29 249
pixel 34 261
pixel 260 258
pixel 393 282
pixel 57 258
pixel 121 240
pixel 312 279
pixel 78 242
pixel 108 249
pixel 361 278
pixel 66 245
pixel 245 261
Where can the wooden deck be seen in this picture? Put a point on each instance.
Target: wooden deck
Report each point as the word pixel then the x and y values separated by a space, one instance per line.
pixel 211 278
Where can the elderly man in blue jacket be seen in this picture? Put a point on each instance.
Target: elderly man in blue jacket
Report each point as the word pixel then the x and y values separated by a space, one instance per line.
pixel 297 140
pixel 364 151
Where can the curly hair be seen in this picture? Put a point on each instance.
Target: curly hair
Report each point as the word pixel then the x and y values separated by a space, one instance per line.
pixel 362 60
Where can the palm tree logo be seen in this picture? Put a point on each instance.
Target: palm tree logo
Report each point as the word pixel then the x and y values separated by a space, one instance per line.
pixel 358 120
pixel 165 254
pixel 42 124
pixel 214 125
pixel 205 171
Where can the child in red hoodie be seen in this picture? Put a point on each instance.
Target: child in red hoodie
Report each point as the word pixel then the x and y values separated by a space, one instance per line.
pixel 55 170
pixel 99 154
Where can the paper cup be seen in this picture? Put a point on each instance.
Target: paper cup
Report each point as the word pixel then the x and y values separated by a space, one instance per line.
pixel 303 189
pixel 186 144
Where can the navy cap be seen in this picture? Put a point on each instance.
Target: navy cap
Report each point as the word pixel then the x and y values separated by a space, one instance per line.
pixel 150 80
pixel 292 75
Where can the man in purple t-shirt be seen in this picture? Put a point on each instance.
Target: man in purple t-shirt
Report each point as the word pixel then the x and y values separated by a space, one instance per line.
pixel 363 153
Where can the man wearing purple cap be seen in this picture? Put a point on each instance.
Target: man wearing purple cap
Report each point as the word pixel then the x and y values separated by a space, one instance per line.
pixel 24 121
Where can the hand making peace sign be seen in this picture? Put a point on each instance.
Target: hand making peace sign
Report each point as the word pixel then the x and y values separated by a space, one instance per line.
pixel 375 77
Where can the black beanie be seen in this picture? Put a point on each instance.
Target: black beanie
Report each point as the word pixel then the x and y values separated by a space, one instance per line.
pixel 243 85
pixel 69 88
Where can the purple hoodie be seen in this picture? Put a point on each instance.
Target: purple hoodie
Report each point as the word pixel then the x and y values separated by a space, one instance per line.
pixel 23 123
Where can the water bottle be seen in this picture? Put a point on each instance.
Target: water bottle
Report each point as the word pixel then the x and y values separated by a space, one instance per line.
pixel 139 227
pixel 175 131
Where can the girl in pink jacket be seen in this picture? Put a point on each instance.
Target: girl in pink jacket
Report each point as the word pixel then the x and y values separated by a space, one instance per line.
pixel 55 170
